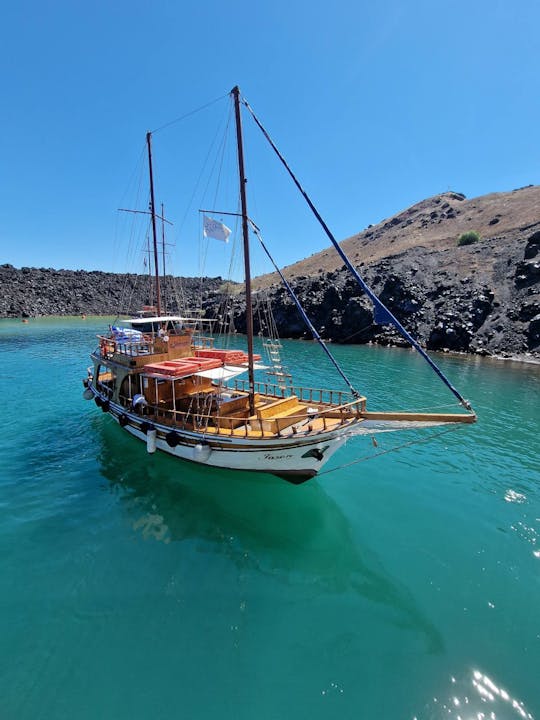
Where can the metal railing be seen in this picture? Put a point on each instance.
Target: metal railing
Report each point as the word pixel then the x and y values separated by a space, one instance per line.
pixel 203 342
pixel 109 347
pixel 151 344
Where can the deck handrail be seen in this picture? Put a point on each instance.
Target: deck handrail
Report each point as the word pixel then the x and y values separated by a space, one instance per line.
pixel 109 346
pixel 304 394
pixel 198 420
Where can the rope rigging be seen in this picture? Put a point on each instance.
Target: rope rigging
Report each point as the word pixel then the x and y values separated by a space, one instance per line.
pixel 389 450
pixel 212 164
pixel 302 312
pixel 382 314
pixel 189 114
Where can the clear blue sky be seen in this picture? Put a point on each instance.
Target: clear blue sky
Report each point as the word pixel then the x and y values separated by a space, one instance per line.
pixel 376 106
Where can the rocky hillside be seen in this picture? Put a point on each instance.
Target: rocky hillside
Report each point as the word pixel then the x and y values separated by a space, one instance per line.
pixel 434 224
pixel 482 298
pixel 31 292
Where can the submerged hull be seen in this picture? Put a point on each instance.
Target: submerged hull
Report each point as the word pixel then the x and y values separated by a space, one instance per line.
pixel 292 458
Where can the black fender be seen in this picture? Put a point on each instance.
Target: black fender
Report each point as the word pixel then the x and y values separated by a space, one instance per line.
pixel 172 439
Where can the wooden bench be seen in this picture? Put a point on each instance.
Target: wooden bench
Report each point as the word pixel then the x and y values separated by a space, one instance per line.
pixel 235 412
pixel 276 407
pixel 278 415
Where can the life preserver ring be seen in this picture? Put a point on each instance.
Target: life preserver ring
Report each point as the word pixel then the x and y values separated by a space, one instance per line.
pixel 98 401
pixel 105 406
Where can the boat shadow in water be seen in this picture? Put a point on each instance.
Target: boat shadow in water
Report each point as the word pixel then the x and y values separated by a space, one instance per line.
pixel 295 534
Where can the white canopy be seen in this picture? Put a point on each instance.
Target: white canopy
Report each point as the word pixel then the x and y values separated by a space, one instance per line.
pixel 221 373
pixel 228 371
pixel 166 318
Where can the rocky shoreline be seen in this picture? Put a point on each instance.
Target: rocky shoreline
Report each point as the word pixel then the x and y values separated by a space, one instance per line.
pixel 493 310
pixel 35 292
pixel 443 309
pixel 482 298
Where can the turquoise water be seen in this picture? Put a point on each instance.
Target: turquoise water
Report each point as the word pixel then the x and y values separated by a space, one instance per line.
pixel 137 586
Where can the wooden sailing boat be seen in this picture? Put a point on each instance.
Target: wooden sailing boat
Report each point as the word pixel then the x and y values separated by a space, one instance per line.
pixel 180 394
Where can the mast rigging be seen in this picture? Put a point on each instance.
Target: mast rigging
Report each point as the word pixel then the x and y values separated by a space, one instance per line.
pixel 153 213
pixel 235 92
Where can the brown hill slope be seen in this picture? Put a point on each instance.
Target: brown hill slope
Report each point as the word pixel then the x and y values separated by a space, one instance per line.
pixel 481 298
pixel 433 224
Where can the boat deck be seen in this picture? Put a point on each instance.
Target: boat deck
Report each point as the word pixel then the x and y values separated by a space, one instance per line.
pixel 274 417
pixel 311 427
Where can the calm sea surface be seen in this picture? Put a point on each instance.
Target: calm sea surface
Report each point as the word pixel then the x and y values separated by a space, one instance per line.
pixel 136 586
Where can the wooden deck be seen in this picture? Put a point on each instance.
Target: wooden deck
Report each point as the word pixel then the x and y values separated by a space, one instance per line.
pixel 273 418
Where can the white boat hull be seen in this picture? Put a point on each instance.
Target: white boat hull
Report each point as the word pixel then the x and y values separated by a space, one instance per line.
pixel 295 458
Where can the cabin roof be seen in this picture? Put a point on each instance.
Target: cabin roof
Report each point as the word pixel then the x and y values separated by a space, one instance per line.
pixel 167 318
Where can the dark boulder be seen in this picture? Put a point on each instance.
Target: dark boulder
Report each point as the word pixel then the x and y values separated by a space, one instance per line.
pixel 533 333
pixel 527 273
pixel 532 248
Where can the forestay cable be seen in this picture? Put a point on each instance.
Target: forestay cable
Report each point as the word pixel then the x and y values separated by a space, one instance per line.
pixel 302 312
pixel 389 450
pixel 382 314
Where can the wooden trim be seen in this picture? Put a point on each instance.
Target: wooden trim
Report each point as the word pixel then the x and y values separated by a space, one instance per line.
pixel 419 417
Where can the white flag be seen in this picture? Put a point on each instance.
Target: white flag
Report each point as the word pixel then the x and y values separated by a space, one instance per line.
pixel 214 229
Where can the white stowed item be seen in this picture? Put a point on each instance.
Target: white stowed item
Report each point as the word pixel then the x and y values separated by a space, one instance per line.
pixel 201 452
pixel 151 437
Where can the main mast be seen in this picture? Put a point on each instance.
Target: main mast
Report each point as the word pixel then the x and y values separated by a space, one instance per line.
pixel 165 296
pixel 153 212
pixel 235 92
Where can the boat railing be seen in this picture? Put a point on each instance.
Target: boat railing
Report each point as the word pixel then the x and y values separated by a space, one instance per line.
pixel 203 342
pixel 215 424
pixel 109 346
pixel 105 383
pixel 321 396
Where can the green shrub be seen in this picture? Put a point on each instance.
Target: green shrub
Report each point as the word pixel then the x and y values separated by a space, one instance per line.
pixel 468 238
pixel 230 288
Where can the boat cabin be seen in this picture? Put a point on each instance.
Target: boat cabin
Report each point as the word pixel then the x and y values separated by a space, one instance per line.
pixel 167 325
